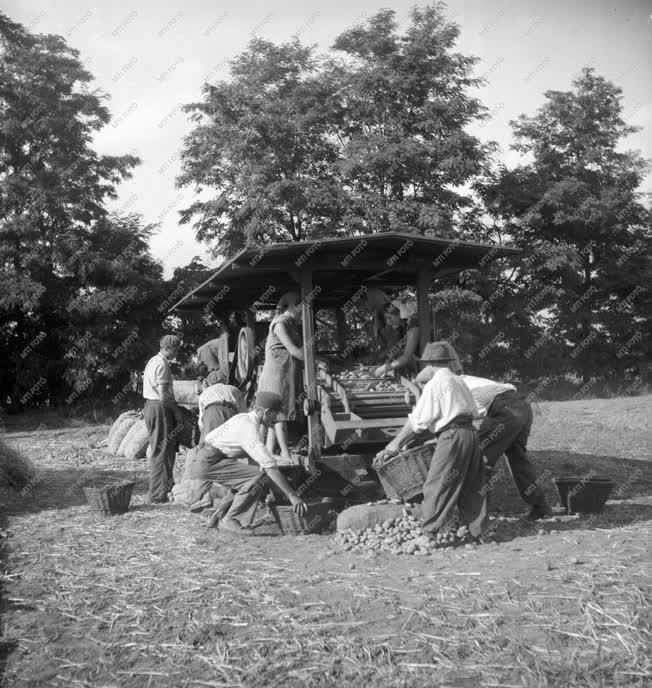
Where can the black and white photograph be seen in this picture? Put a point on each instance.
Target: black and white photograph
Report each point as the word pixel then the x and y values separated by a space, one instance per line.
pixel 325 335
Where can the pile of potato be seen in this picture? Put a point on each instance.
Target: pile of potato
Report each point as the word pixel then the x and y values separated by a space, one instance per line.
pixel 362 375
pixel 384 386
pixel 358 374
pixel 402 536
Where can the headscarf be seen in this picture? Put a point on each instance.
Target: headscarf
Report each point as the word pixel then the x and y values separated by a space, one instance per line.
pixel 215 377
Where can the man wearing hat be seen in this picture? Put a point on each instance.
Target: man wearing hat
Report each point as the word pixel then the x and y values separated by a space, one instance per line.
pixel 162 417
pixel 505 424
pixel 218 459
pixel 455 478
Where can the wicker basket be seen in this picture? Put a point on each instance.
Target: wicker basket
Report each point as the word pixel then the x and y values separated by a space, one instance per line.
pixel 109 495
pixel 402 476
pixel 316 520
pixel 583 495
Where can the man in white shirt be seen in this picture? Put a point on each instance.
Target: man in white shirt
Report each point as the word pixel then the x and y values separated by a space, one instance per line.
pixel 218 459
pixel 162 417
pixel 217 403
pixel 446 409
pixel 506 421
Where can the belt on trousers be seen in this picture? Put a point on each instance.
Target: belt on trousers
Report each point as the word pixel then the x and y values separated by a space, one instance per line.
pixel 456 424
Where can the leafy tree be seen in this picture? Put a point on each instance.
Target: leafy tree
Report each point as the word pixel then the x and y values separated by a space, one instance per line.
pixel 576 212
pixel 293 147
pixel 115 303
pixel 405 106
pixel 261 154
pixel 197 327
pixel 57 242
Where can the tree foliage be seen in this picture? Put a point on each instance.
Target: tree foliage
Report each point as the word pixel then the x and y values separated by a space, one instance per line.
pixel 372 139
pixel 74 279
pixel 260 152
pixel 405 104
pixel 585 233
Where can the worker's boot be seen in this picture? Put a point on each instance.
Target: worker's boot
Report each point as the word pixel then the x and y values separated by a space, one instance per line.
pixel 538 512
pixel 201 504
pixel 230 525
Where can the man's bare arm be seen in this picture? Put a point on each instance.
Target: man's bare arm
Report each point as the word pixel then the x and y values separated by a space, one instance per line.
pixel 299 505
pixel 166 395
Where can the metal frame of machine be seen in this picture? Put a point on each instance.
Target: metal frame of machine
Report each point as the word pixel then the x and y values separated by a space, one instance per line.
pixel 329 273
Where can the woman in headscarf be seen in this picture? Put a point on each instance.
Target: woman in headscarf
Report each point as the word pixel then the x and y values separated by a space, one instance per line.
pixel 399 338
pixel 282 349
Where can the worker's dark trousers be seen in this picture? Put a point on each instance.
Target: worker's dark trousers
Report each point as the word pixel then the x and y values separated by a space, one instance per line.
pixel 250 484
pixel 505 430
pixel 163 443
pixel 455 478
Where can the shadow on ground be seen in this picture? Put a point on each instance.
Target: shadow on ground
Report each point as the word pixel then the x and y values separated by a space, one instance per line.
pixel 631 478
pixel 62 489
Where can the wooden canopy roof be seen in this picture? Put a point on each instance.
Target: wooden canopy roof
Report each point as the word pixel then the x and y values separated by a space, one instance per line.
pixel 340 267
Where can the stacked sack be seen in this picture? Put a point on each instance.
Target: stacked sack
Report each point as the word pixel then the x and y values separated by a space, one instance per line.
pixel 128 436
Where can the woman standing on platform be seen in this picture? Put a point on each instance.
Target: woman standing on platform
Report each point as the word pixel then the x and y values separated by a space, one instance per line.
pixel 283 348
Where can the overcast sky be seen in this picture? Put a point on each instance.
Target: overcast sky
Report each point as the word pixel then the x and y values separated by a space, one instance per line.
pixel 152 57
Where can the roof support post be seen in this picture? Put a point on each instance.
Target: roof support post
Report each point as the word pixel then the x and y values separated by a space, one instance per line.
pixel 310 379
pixel 340 325
pixel 424 280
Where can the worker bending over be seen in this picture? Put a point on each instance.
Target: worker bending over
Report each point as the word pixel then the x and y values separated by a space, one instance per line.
pixel 217 403
pixel 218 459
pixel 455 478
pixel 506 421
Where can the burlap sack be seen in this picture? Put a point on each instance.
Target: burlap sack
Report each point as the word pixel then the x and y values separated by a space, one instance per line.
pixel 127 438
pixel 185 392
pixel 138 441
pixel 120 428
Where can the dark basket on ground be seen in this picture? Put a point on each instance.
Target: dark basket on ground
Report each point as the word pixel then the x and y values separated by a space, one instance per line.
pixel 402 476
pixel 586 496
pixel 317 519
pixel 109 495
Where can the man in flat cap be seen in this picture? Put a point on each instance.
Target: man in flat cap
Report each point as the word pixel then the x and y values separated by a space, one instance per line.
pixel 162 417
pixel 446 409
pixel 218 459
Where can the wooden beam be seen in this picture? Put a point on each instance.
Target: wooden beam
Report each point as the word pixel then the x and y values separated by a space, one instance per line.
pixel 314 423
pixel 424 280
pixel 340 323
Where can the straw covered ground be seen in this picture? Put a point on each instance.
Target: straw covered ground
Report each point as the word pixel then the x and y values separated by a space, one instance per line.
pixel 152 598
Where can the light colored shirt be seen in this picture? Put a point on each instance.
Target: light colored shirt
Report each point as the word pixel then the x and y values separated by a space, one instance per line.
pixel 240 437
pixel 157 371
pixel 485 391
pixel 220 393
pixel 444 398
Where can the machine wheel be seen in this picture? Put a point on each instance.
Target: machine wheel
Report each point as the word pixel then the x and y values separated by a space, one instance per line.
pixel 245 355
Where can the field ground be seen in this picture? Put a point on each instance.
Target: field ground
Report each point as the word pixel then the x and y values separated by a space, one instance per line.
pixel 152 598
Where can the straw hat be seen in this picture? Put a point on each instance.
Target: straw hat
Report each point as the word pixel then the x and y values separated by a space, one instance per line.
pixel 436 352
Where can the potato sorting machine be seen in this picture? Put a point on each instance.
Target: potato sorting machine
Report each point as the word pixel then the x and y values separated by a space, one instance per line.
pixel 346 409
